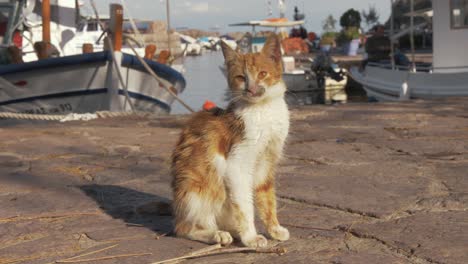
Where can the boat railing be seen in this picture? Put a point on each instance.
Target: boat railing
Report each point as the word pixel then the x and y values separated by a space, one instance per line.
pixel 418 67
pixel 451 68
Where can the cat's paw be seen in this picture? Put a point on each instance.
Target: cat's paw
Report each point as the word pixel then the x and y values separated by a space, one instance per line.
pixel 279 233
pixel 222 237
pixel 257 241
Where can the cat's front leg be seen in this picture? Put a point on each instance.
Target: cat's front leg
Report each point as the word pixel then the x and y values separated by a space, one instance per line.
pixel 265 200
pixel 265 197
pixel 240 185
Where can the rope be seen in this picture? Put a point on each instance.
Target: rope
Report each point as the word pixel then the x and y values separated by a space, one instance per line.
pixel 160 80
pixel 74 116
pixel 166 84
pixel 9 115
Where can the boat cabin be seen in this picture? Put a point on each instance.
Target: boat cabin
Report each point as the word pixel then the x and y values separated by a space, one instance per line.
pixel 450 27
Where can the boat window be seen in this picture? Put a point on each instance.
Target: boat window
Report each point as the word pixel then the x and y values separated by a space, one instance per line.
pixel 92 26
pixel 459 13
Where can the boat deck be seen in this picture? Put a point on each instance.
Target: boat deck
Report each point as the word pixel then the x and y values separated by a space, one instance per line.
pixel 359 183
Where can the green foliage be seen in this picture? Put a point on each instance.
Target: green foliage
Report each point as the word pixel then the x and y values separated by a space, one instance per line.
pixel 346 35
pixel 352 33
pixel 350 18
pixel 328 38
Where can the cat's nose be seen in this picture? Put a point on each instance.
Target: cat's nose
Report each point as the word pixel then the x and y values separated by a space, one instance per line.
pixel 253 88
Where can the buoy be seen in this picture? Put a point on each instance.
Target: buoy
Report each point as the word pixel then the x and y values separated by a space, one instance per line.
pixel 208 105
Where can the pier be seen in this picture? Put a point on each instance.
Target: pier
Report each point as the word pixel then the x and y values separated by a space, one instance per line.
pixel 359 183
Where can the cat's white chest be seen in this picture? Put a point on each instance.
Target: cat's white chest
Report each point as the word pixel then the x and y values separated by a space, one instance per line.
pixel 263 124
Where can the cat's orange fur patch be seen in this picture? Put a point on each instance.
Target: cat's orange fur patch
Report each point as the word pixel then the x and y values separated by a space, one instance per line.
pixel 205 136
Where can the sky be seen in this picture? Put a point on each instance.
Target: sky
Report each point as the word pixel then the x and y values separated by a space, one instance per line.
pixel 207 14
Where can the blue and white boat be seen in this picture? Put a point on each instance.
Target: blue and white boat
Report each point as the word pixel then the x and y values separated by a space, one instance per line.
pixel 82 83
pixel 87 83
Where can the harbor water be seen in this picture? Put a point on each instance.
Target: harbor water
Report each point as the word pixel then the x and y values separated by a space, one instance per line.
pixel 205 81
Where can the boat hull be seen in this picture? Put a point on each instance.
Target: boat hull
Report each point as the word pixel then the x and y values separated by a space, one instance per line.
pixel 391 85
pixel 86 83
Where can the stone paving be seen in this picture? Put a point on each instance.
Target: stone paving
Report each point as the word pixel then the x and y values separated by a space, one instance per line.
pixel 359 183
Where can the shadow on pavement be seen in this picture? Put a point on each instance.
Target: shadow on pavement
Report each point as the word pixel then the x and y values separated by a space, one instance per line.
pixel 132 206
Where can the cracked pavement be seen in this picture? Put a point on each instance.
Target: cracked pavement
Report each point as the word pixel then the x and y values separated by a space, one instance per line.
pixel 359 183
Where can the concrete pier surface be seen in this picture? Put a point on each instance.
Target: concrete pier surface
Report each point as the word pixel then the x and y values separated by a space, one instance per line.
pixel 359 183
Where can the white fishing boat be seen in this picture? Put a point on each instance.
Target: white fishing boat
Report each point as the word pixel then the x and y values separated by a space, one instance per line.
pixel 90 82
pixel 447 76
pixel 87 83
pixel 190 46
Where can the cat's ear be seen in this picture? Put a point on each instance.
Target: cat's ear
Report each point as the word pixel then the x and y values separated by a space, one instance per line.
pixel 228 52
pixel 272 48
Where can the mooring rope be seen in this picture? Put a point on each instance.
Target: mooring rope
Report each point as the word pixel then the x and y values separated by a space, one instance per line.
pixel 166 85
pixel 74 116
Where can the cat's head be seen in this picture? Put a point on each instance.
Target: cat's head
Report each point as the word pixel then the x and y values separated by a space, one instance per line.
pixel 255 77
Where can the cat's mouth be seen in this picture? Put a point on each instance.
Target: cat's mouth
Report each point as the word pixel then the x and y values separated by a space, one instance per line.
pixel 254 93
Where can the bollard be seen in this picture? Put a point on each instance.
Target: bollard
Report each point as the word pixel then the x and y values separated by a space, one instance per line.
pixel 87 48
pixel 150 50
pixel 164 56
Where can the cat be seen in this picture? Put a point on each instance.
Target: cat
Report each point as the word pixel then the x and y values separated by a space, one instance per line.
pixel 225 160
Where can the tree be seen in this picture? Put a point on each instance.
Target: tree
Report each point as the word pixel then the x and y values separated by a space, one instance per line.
pixel 350 18
pixel 371 17
pixel 328 24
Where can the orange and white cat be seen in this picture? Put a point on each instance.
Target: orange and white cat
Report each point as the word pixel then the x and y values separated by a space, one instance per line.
pixel 225 160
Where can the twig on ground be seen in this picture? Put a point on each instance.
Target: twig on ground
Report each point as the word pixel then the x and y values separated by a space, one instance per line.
pixel 118 239
pixel 89 253
pixel 309 227
pixel 135 225
pixel 216 249
pixel 103 258
pixel 161 235
pixel 11 261
pixel 42 216
pixel 206 249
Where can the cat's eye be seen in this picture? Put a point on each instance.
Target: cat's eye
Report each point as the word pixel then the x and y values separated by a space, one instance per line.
pixel 240 78
pixel 262 74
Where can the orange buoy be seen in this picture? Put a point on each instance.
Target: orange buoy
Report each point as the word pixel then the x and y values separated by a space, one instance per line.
pixel 208 105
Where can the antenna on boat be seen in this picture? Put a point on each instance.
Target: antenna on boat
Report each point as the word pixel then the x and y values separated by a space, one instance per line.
pixel 270 8
pixel 168 18
pixel 413 65
pixel 392 48
pixel 282 8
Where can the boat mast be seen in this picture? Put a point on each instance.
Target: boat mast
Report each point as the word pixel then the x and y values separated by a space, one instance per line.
pixel 392 48
pixel 168 18
pixel 46 21
pixel 116 24
pixel 282 8
pixel 412 36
